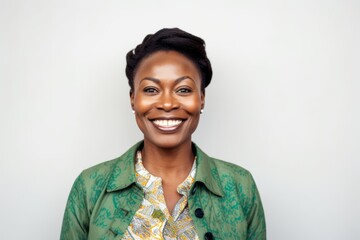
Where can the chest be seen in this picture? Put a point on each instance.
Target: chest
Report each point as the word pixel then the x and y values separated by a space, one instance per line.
pixel 223 217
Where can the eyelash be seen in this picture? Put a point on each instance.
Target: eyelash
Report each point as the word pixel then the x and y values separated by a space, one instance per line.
pixel 153 90
pixel 184 90
pixel 150 90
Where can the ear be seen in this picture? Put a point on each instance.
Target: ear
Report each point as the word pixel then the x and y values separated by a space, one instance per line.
pixel 202 99
pixel 131 94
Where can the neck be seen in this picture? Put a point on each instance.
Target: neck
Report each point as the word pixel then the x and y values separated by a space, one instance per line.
pixel 164 162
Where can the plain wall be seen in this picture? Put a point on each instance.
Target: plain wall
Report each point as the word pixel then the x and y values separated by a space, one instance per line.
pixel 283 103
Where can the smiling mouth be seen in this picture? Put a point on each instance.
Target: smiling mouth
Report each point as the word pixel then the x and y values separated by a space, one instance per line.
pixel 167 124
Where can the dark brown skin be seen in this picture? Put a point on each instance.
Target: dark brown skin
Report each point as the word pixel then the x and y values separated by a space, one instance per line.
pixel 167 85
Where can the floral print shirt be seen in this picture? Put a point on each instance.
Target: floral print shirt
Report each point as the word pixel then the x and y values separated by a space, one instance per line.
pixel 153 220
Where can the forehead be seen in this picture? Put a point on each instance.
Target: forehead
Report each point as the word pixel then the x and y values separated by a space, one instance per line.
pixel 166 64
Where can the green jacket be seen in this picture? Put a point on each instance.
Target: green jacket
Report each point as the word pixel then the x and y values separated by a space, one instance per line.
pixel 104 199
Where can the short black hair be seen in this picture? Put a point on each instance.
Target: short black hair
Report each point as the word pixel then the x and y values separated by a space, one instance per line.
pixel 168 39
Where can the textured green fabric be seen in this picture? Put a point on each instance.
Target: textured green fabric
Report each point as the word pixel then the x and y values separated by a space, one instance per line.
pixel 104 198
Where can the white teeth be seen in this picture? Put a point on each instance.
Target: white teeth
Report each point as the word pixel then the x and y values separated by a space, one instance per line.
pixel 167 123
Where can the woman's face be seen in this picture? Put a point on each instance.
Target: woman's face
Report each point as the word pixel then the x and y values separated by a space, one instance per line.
pixel 167 98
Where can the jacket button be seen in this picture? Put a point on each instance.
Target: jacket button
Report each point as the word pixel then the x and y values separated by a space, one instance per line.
pixel 199 213
pixel 209 236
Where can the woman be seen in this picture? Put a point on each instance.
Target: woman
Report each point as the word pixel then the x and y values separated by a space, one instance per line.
pixel 165 187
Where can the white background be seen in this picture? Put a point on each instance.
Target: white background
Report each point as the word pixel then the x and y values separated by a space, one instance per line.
pixel 283 103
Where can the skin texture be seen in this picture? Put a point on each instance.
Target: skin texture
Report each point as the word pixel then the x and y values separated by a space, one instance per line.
pixel 167 85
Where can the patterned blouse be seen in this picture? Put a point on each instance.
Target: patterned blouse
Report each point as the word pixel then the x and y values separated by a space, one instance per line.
pixel 153 220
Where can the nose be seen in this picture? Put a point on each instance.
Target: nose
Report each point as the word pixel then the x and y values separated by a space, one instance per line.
pixel 167 102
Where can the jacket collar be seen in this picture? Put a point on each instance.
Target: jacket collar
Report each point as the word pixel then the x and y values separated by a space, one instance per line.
pixel 207 172
pixel 123 174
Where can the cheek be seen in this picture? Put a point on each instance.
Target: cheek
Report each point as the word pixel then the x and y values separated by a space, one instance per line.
pixel 193 105
pixel 142 104
pixel 140 118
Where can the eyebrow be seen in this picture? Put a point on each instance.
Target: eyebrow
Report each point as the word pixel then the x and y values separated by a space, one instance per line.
pixel 158 80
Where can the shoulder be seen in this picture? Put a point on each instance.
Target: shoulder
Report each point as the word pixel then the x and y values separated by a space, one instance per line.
pixel 107 176
pixel 113 171
pixel 228 168
pixel 231 176
pixel 92 182
pixel 221 170
pixel 224 178
pixel 99 171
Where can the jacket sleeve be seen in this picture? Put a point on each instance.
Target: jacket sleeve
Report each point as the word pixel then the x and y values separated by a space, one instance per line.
pixel 256 216
pixel 76 218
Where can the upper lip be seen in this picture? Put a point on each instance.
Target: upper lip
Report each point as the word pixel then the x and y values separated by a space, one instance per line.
pixel 167 118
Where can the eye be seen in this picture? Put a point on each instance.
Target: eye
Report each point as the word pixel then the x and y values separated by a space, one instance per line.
pixel 150 90
pixel 184 90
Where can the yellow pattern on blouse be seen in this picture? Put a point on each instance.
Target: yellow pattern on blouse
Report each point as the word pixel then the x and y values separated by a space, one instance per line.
pixel 153 220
